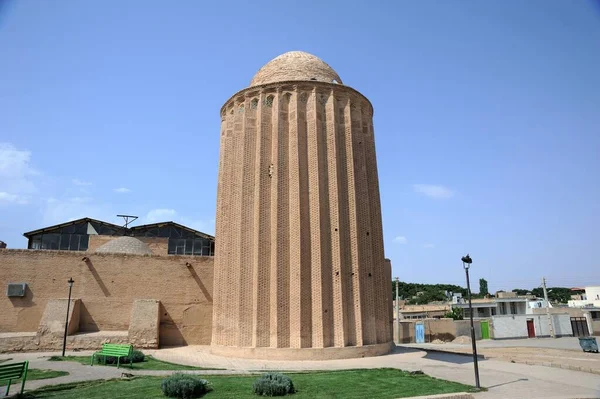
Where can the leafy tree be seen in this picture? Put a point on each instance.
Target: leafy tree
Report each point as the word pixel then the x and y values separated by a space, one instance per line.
pixel 409 290
pixel 555 294
pixel 483 287
pixel 435 292
pixel 538 292
pixel 455 314
pixel 430 295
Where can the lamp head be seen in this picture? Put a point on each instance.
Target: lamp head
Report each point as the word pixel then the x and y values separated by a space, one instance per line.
pixel 467 259
pixel 70 281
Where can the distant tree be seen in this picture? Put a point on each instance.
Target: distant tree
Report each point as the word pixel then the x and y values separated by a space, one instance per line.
pixel 455 314
pixel 538 292
pixel 436 292
pixel 555 294
pixel 408 290
pixel 483 287
pixel 428 295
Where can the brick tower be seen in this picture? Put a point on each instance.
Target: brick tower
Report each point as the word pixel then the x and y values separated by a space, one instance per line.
pixel 299 262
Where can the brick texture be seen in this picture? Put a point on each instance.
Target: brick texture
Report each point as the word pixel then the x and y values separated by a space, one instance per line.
pixel 300 260
pixel 107 286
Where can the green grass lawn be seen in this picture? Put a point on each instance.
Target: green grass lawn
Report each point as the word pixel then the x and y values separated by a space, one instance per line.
pixel 37 374
pixel 370 383
pixel 149 363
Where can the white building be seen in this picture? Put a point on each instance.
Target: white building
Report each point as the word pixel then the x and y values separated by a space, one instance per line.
pixel 589 303
pixel 591 299
pixel 505 303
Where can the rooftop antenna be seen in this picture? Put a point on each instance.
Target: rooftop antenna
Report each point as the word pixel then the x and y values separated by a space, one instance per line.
pixel 128 219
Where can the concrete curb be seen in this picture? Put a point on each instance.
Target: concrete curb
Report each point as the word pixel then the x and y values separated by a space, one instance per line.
pixel 558 366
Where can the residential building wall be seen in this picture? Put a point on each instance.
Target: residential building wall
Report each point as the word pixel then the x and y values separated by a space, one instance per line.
pixel 107 285
pixel 596 327
pixel 592 295
pixel 573 312
pixel 515 326
pixel 507 307
pixel 430 311
pixel 509 294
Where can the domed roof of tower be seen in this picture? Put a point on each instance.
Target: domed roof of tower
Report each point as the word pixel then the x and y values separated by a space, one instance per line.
pixel 125 245
pixel 295 65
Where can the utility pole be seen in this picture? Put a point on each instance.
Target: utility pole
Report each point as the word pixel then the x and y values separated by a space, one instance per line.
pixel 397 310
pixel 548 308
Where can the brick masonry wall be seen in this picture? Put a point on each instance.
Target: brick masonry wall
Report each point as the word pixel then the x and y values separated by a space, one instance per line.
pixel 300 259
pixel 443 329
pixel 107 285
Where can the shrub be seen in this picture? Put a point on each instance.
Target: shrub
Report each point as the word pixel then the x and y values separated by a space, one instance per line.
pixel 136 356
pixel 184 386
pixel 273 384
pixel 455 314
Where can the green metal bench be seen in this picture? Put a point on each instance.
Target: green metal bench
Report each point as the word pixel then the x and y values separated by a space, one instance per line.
pixel 116 350
pixel 14 371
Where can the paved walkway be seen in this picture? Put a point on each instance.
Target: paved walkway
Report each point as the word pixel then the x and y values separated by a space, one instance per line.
pixel 559 353
pixel 503 379
pixel 565 343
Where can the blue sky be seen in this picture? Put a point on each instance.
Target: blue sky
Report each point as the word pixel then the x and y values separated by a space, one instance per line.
pixel 487 119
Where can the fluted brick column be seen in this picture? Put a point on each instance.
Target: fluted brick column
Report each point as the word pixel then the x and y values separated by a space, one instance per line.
pixel 299 261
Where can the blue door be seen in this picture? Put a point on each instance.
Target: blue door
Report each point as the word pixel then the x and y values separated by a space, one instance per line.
pixel 419 333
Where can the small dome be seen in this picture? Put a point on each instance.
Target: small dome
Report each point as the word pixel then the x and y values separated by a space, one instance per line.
pixel 295 65
pixel 125 245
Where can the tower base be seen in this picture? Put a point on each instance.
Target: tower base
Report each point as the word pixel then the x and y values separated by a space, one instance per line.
pixel 331 353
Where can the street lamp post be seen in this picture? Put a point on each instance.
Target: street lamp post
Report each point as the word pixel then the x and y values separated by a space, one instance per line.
pixel 70 281
pixel 466 260
pixel 397 310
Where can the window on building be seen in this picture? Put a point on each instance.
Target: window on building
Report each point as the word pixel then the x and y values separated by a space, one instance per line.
pixel 105 230
pixel 73 237
pixel 56 241
pixel 181 241
pixel 190 246
pixel 50 241
pixel 269 101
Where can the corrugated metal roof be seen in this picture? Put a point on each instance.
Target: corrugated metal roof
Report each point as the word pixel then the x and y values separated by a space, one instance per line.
pixel 70 223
